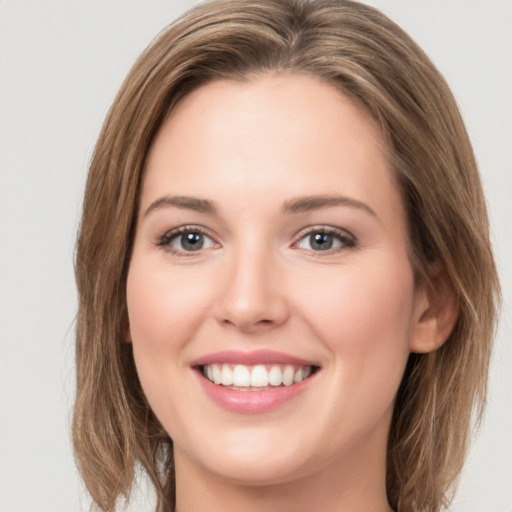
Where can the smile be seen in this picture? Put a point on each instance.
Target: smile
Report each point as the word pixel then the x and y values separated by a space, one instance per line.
pixel 255 377
pixel 229 379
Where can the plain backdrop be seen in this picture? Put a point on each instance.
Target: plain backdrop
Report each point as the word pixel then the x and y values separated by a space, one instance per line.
pixel 61 63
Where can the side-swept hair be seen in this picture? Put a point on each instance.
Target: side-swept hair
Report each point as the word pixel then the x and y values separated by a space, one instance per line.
pixel 371 60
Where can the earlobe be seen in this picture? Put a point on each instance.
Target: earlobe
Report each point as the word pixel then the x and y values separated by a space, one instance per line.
pixel 437 311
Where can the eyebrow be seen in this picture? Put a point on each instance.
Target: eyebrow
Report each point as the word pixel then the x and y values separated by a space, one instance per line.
pixel 185 203
pixel 309 203
pixel 297 205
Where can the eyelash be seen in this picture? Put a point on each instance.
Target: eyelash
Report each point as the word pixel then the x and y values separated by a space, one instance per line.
pixel 166 239
pixel 347 240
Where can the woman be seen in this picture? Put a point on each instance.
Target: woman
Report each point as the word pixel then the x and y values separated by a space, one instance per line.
pixel 277 307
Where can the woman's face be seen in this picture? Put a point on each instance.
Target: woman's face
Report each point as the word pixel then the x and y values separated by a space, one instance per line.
pixel 271 257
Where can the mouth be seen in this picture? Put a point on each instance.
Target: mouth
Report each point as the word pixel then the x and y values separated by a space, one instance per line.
pixel 254 382
pixel 258 377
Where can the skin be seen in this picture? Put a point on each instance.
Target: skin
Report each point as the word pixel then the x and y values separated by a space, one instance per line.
pixel 257 283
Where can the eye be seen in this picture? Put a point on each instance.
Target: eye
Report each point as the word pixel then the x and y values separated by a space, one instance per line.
pixel 325 239
pixel 186 240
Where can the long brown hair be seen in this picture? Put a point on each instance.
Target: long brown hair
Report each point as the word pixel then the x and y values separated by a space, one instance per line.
pixel 371 60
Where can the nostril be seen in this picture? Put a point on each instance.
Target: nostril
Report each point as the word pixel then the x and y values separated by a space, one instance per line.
pixel 244 323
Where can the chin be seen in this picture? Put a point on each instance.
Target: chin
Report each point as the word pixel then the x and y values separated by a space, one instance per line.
pixel 259 472
pixel 255 458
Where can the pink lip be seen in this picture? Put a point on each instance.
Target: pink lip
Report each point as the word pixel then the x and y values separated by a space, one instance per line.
pixel 251 358
pixel 251 402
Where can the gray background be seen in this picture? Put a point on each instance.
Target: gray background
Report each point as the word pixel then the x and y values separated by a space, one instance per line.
pixel 61 63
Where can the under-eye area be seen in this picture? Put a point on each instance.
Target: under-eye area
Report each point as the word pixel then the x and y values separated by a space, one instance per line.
pixel 257 377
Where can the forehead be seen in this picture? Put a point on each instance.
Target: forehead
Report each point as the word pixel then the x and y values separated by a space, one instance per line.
pixel 289 133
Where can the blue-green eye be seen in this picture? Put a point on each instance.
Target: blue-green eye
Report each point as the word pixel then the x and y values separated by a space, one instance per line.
pixel 186 240
pixel 321 241
pixel 325 239
pixel 189 241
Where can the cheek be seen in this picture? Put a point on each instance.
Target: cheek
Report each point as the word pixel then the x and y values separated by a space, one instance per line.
pixel 359 301
pixel 164 307
pixel 365 321
pixel 164 310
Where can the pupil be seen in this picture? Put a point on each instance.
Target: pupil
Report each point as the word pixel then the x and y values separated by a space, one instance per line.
pixel 321 241
pixel 192 241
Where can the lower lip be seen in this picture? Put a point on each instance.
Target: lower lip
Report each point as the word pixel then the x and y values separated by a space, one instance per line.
pixel 252 402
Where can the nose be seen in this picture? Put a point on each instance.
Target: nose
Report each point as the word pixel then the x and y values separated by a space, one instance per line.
pixel 252 297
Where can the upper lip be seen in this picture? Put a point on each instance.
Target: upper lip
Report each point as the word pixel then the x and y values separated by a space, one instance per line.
pixel 251 358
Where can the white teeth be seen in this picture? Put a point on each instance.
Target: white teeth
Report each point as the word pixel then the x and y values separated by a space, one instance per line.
pixel 217 375
pixel 226 375
pixel 259 376
pixel 275 376
pixel 288 374
pixel 255 377
pixel 241 376
pixel 299 375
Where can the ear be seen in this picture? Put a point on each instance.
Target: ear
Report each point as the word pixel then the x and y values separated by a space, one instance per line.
pixel 436 312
